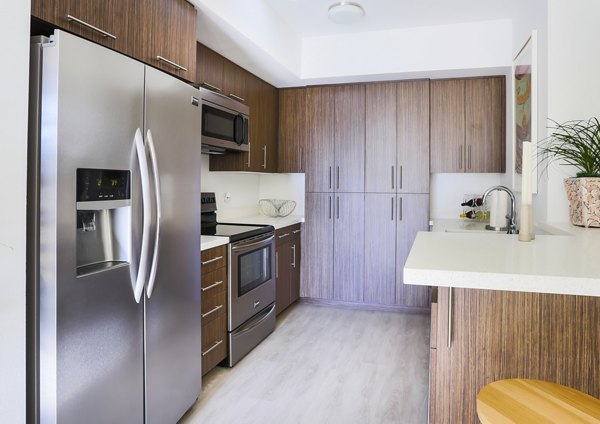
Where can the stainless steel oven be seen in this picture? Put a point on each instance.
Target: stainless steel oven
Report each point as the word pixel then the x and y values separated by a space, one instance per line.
pixel 251 294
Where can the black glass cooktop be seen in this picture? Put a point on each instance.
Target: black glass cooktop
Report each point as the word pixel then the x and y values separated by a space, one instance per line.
pixel 236 232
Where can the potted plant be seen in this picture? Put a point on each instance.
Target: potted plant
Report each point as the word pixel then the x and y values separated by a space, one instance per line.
pixel 577 143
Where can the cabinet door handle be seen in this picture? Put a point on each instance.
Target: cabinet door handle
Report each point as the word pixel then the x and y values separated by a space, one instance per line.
pixel 72 18
pixel 238 98
pixel 294 256
pixel 296 231
pixel 212 286
pixel 169 62
pixel 210 86
pixel 264 164
pixel 393 177
pixel 392 208
pixel 276 264
pixel 400 209
pixel 329 207
pixel 450 318
pixel 249 150
pixel 337 177
pixel 401 177
pixel 330 177
pixel 300 159
pixel 460 157
pixel 469 156
pixel 337 209
pixel 212 347
pixel 210 261
pixel 283 235
pixel 212 311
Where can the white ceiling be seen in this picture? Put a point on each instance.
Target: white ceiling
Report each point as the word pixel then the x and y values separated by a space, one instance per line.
pixel 308 18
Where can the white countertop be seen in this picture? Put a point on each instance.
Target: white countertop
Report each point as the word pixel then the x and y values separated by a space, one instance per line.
pixel 208 242
pixel 453 256
pixel 258 219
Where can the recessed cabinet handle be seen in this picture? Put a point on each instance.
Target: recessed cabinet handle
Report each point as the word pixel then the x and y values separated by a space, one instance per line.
pixel 212 311
pixel 212 347
pixel 72 18
pixel 169 62
pixel 212 87
pixel 212 286
pixel 238 98
pixel 210 261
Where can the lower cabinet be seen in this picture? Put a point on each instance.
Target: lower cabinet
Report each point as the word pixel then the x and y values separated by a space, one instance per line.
pixel 287 269
pixel 480 336
pixel 214 307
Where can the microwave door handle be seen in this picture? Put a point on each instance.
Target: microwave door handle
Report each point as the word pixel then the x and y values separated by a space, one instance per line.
pixel 238 129
pixel 257 243
pixel 146 212
pixel 156 175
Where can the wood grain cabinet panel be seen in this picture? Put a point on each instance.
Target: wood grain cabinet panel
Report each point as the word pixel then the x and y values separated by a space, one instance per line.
pixel 288 266
pixel 447 125
pixel 349 138
pixel 348 247
pixel 317 242
pixel 380 138
pixel 292 129
pixel 167 29
pixel 485 335
pixel 209 68
pixel 413 216
pixel 485 137
pixel 320 140
pixel 296 266
pixel 412 123
pixel 380 248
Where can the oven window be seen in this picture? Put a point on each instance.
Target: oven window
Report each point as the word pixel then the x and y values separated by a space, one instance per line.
pixel 217 123
pixel 254 269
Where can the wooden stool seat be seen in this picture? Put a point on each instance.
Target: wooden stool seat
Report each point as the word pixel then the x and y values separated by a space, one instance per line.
pixel 534 401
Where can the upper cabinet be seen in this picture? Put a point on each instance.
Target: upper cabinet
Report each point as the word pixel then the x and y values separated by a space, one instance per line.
pixel 161 33
pixel 468 125
pixel 209 68
pixel 319 151
pixel 103 21
pixel 292 129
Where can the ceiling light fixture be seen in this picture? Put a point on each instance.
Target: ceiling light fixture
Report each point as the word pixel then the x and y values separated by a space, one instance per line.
pixel 345 12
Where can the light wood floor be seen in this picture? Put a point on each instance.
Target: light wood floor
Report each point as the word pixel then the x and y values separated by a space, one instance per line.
pixel 325 365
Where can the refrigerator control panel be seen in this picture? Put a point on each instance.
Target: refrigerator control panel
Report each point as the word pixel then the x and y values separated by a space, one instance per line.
pixel 102 184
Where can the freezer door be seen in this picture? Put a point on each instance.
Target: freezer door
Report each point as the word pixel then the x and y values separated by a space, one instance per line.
pixel 173 344
pixel 91 327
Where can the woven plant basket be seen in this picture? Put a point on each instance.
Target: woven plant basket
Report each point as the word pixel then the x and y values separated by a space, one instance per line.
pixel 584 201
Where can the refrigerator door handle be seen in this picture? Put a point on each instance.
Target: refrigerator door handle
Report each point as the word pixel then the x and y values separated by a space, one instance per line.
pixel 146 211
pixel 156 176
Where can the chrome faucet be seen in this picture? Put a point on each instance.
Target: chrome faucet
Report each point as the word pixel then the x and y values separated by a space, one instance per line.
pixel 512 218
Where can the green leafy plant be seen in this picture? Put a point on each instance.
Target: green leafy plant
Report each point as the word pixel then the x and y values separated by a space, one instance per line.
pixel 574 143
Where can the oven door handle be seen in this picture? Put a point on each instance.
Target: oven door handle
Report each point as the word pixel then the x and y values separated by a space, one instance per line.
pixel 256 243
pixel 256 320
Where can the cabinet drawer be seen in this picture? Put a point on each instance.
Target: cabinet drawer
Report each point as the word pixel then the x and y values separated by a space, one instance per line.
pixel 214 342
pixel 213 259
pixel 287 232
pixel 215 280
pixel 213 304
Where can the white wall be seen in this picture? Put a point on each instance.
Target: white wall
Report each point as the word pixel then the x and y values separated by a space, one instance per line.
pixel 283 186
pixel 14 74
pixel 395 52
pixel 573 83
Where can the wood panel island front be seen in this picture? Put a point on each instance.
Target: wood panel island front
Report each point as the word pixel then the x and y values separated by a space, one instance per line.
pixel 507 309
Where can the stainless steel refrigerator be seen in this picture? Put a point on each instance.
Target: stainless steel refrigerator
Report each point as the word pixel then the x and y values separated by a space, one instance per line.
pixel 114 238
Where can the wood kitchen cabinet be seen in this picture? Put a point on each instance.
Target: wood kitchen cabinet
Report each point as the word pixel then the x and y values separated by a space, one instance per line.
pixel 292 129
pixel 397 137
pixel 481 336
pixel 319 154
pixel 144 29
pixel 102 21
pixel 317 243
pixel 209 68
pixel 287 268
pixel 214 307
pixel 468 125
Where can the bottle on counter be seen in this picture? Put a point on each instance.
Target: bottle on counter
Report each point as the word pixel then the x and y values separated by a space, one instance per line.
pixel 472 203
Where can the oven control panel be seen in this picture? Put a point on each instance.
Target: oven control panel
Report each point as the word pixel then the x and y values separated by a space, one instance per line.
pixel 208 202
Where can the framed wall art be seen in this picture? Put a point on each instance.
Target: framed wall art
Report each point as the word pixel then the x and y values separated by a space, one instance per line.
pixel 524 78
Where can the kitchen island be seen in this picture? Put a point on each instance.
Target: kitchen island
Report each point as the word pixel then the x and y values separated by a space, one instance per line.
pixel 508 309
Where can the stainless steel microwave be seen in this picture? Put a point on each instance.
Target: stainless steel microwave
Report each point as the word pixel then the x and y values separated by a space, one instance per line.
pixel 225 123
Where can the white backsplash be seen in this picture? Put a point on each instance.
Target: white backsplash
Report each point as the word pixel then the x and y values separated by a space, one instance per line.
pixel 246 188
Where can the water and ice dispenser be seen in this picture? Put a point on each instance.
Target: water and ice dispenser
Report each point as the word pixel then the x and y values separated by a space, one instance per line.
pixel 103 219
